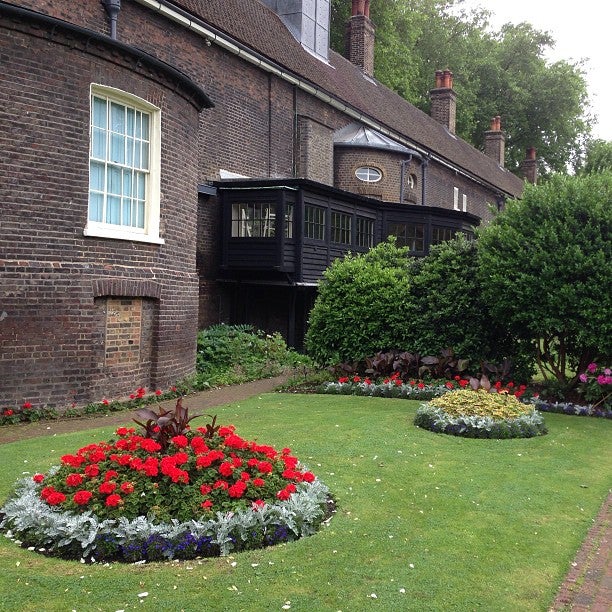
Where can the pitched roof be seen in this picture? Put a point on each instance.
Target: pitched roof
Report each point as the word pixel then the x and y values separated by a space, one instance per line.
pixel 256 26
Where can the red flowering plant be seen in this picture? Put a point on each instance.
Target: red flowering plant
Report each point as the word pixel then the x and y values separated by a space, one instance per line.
pixel 171 474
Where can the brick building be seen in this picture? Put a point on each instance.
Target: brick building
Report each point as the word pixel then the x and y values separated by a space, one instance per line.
pixel 169 164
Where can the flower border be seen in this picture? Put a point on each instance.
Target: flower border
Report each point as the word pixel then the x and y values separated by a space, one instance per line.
pixel 437 420
pixel 29 521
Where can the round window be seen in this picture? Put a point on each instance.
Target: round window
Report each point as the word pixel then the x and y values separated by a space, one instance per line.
pixel 368 174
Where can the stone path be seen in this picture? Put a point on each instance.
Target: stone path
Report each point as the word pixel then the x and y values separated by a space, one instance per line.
pixel 586 588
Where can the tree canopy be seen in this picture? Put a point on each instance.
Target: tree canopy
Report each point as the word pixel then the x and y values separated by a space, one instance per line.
pixel 546 263
pixel 503 72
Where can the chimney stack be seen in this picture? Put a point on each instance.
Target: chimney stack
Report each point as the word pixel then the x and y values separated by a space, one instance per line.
pixel 495 141
pixel 359 40
pixel 444 100
pixel 529 167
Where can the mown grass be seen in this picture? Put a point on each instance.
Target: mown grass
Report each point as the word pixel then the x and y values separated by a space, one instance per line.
pixel 424 521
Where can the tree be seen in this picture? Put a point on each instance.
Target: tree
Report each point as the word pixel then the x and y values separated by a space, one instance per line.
pixel 546 264
pixel 598 157
pixel 496 73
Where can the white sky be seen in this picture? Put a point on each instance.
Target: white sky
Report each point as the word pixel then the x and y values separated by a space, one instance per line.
pixel 581 31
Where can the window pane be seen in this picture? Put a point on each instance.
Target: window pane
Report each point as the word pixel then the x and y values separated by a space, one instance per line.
pixel 99 113
pixel 98 143
pixel 145 126
pixel 140 211
pixel 96 176
pixel 144 161
pixel 96 203
pixel 117 152
pixel 117 118
pixel 113 180
pixel 140 185
pixel 129 130
pixel 113 210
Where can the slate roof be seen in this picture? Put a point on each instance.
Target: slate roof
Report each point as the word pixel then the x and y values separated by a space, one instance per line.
pixel 256 26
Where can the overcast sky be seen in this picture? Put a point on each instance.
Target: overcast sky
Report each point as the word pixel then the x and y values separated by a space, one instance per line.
pixel 581 31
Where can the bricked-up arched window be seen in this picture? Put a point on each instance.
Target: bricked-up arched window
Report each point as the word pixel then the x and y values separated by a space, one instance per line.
pixel 124 167
pixel 368 174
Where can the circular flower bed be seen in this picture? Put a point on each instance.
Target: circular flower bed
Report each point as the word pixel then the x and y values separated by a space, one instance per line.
pixel 160 496
pixel 480 414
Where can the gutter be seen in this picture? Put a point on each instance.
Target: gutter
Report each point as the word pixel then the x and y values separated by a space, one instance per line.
pixel 212 35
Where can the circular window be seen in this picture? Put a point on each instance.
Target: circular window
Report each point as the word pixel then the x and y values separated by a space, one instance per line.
pixel 412 181
pixel 368 174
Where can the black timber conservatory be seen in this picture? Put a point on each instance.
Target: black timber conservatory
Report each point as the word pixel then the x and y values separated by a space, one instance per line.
pixel 278 237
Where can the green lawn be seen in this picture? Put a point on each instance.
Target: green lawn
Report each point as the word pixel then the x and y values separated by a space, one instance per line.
pixel 424 521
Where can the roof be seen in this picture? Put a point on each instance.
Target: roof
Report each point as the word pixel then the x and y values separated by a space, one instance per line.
pixel 256 26
pixel 358 135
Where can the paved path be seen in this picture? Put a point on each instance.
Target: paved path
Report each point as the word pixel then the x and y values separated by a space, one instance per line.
pixel 587 587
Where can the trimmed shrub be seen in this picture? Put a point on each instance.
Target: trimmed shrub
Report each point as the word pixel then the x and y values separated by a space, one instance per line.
pixel 362 306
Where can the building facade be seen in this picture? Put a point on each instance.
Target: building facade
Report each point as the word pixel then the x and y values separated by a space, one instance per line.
pixel 174 164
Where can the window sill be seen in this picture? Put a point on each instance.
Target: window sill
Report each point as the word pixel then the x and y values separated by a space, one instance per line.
pixel 98 232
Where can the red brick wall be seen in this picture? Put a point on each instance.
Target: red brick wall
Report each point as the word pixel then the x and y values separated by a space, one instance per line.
pixel 54 279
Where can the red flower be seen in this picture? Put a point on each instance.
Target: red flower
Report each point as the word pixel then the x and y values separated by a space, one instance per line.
pixel 457 377
pixel 132 396
pixel 449 385
pixel 398 382
pixel 107 487
pixel 38 477
pixel 421 385
pixel 367 381
pixel 158 391
pixel 258 504
pixel 110 474
pixel 226 430
pixel 122 431
pixel 114 500
pixel 207 504
pixel 151 446
pixel 105 402
pixel 237 490
pixel 245 476
pixel 127 487
pixel 55 498
pixel 26 405
pixel 180 441
pixel 464 383
pixel 226 469
pixel 356 379
pixel 283 495
pixel 221 484
pixel 173 389
pixel 74 480
pixel 343 379
pixel 73 460
pixel 308 476
pixel 265 467
pixel 258 482
pixel 205 489
pixel 82 497
pixel 8 412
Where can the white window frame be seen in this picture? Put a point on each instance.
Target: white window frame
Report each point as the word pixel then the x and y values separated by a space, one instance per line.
pixel 367 172
pixel 464 202
pixel 456 198
pixel 150 231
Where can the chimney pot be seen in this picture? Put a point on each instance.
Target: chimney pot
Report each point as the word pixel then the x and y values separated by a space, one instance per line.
pixel 531 153
pixel 444 100
pixel 448 79
pixel 358 7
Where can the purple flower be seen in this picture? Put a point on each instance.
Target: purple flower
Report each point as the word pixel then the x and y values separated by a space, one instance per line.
pixel 583 378
pixel 592 367
pixel 608 372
